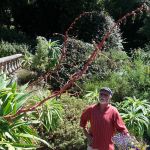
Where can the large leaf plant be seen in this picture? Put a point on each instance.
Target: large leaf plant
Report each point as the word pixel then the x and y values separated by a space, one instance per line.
pixel 135 113
pixel 17 133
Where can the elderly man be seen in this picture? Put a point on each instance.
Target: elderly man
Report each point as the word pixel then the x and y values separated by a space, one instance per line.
pixel 104 122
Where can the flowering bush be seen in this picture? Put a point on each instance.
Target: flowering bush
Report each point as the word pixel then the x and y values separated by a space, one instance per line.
pixel 128 142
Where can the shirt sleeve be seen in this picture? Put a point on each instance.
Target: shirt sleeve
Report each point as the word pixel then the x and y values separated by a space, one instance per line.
pixel 119 124
pixel 85 117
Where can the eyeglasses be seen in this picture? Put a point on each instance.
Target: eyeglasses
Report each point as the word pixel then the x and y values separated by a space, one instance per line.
pixel 104 94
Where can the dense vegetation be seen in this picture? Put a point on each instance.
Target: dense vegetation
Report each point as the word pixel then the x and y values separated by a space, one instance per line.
pixel 27 27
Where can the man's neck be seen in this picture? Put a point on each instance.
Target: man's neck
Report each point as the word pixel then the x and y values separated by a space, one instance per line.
pixel 103 107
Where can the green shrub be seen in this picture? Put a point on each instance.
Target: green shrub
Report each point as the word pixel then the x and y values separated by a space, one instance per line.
pixel 46 56
pixel 106 63
pixel 77 53
pixel 7 48
pixel 107 71
pixel 69 135
pixel 138 75
pixel 128 77
pixel 147 48
pixel 95 26
pixel 24 76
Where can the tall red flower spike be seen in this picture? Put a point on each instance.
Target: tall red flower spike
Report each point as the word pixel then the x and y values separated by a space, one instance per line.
pixel 78 75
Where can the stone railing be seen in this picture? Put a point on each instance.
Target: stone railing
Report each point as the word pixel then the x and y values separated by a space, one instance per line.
pixel 10 64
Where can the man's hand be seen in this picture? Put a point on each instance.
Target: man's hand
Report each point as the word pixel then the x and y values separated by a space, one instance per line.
pixel 88 136
pixel 89 139
pixel 127 134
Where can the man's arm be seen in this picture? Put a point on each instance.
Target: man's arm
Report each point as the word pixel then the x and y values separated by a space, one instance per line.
pixel 119 124
pixel 85 117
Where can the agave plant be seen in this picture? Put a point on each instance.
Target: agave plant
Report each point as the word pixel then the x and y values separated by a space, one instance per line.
pixel 135 114
pixel 18 132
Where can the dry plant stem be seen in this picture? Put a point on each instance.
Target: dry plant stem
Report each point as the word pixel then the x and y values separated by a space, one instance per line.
pixel 78 74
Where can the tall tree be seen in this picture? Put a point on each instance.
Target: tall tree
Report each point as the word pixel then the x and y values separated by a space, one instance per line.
pixel 44 17
pixel 5 12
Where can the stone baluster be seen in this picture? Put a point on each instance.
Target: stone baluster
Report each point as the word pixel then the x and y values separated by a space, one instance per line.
pixel 1 68
pixel 10 64
pixel 6 67
pixel 15 64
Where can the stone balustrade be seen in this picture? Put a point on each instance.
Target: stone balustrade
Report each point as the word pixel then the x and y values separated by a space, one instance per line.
pixel 10 64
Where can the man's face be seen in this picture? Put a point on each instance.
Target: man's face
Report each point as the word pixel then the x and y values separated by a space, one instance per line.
pixel 104 97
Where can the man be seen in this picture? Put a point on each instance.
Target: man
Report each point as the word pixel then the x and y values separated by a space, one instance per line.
pixel 104 122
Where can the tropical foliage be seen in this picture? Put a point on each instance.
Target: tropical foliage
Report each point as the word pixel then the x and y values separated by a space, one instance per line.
pixel 49 114
pixel 47 54
pixel 16 132
pixel 135 114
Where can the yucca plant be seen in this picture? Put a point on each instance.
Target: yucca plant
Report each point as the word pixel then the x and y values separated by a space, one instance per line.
pixel 135 114
pixel 16 133
pixel 49 114
pixel 54 49
pixel 47 54
pixel 27 60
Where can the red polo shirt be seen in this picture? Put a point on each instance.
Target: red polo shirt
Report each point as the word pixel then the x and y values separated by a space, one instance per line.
pixel 103 125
